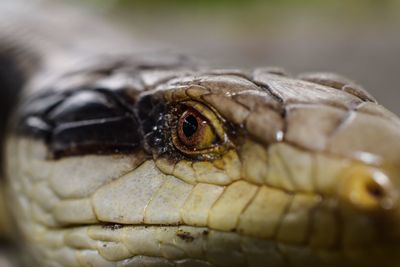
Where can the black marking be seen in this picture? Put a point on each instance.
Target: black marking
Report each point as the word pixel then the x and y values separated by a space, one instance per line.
pixel 185 236
pixel 154 120
pixel 85 105
pixel 109 135
pixel 112 227
pixel 43 103
pixel 83 121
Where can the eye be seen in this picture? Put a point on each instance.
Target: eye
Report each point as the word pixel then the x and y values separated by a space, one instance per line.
pixel 198 129
pixel 195 131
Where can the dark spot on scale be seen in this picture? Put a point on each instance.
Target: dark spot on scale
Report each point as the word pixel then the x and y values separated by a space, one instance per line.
pixel 206 232
pixel 185 236
pixel 112 227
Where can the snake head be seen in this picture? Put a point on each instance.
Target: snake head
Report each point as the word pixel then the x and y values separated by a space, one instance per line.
pixel 172 165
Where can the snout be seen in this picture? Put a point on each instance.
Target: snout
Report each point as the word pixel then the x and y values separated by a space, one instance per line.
pixel 370 214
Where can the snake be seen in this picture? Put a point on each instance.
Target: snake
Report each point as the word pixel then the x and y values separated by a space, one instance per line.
pixel 159 161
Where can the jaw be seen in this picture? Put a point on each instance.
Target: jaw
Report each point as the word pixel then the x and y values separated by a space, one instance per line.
pixel 161 246
pixel 116 245
pixel 138 211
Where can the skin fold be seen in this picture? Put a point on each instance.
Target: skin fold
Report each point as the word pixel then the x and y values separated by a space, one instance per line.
pixel 280 171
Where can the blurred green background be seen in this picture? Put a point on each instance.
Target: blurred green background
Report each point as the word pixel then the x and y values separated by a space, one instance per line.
pixel 357 38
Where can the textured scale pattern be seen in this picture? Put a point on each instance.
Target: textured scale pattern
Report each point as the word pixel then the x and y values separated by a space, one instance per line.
pixel 278 197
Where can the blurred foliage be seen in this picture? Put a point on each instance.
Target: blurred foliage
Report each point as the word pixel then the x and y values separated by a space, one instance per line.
pixel 240 3
pixel 252 10
pixel 368 5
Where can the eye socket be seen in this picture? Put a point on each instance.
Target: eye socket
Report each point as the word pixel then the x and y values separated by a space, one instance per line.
pixel 198 131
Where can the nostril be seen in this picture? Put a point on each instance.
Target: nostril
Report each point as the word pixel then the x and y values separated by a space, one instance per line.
pixel 375 190
pixel 366 188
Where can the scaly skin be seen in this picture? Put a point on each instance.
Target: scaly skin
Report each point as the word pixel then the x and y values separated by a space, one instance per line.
pixel 305 171
pixel 307 174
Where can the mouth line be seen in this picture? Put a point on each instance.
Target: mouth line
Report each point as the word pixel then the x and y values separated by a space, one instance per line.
pixel 176 243
pixel 185 233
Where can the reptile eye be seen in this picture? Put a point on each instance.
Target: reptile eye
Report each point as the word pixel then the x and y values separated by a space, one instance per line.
pixel 195 131
pixel 198 130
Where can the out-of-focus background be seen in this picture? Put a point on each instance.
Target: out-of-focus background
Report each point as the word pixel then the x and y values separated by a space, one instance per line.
pixel 357 38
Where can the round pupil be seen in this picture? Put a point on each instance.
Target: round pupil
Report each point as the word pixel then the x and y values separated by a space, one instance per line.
pixel 190 126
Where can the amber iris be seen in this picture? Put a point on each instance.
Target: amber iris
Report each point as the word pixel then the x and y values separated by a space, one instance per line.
pixel 191 127
pixel 195 131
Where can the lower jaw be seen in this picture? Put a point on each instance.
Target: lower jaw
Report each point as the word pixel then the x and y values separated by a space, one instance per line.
pixel 181 246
